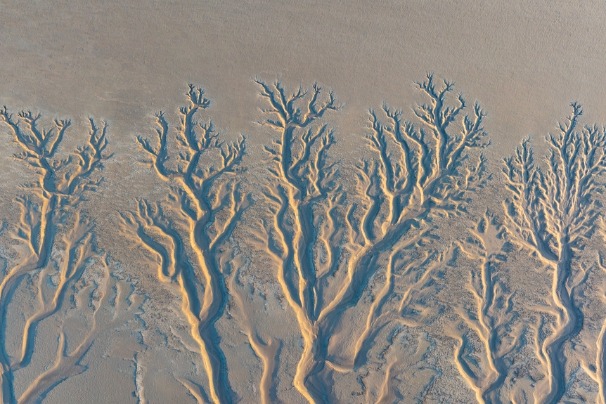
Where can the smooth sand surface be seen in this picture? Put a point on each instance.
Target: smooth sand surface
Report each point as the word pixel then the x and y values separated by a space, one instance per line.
pixel 302 201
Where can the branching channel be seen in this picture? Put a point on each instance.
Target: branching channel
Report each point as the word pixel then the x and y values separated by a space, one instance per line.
pixel 491 315
pixel 327 242
pixel 50 221
pixel 552 210
pixel 186 234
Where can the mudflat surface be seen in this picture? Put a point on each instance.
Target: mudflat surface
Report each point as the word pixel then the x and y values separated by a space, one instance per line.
pixel 253 201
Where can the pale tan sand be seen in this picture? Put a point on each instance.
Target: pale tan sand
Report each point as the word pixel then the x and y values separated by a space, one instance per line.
pixel 316 218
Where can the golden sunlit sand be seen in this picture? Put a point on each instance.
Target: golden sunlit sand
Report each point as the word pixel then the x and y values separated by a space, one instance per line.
pixel 316 218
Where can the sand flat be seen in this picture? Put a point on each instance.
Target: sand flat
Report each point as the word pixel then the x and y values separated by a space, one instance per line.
pixel 264 201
